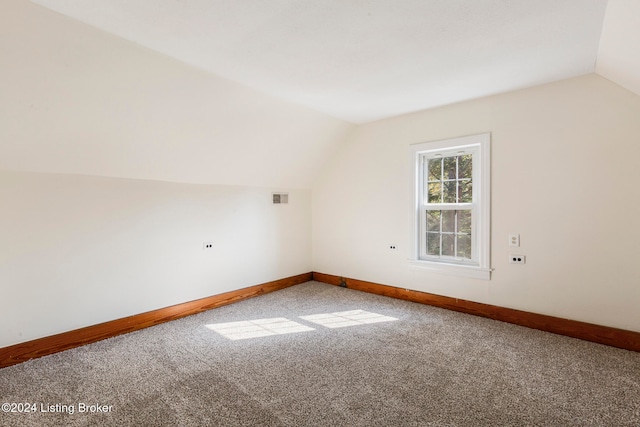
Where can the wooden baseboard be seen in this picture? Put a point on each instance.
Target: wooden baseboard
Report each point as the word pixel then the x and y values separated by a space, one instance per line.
pixel 53 344
pixel 22 352
pixel 620 338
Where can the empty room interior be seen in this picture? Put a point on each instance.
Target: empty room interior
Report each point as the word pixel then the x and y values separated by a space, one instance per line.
pixel 417 171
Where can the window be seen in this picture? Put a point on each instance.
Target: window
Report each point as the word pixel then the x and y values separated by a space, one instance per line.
pixel 451 205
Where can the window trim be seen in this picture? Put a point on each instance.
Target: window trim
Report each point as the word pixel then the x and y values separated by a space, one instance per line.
pixel 480 267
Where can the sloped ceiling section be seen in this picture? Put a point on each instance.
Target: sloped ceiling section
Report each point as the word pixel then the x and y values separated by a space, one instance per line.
pixel 363 60
pixel 77 100
pixel 619 54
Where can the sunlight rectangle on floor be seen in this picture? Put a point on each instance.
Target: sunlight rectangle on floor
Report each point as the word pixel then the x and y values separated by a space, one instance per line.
pixel 257 328
pixel 347 318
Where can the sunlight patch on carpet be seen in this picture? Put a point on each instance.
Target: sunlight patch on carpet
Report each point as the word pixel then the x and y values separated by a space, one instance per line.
pixel 347 318
pixel 258 328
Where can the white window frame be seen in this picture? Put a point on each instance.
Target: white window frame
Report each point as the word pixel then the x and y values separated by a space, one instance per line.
pixel 480 264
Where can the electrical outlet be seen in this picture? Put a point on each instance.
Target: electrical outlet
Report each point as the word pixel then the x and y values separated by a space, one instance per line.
pixel 392 246
pixel 516 259
pixel 514 240
pixel 207 245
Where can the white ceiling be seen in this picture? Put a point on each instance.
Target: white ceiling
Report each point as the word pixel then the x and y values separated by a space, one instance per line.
pixel 362 60
pixel 619 56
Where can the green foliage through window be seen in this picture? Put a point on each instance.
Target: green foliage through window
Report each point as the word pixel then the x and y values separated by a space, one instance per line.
pixel 449 180
pixel 449 233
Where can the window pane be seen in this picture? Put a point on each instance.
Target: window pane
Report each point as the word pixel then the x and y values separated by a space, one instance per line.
pixel 433 244
pixel 464 222
pixel 435 195
pixel 435 169
pixel 465 194
pixel 450 214
pixel 455 233
pixel 448 221
pixel 449 164
pixel 433 221
pixel 464 246
pixel 449 191
pixel 464 166
pixel 448 242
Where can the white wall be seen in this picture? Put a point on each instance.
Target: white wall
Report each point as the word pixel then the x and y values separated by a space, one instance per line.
pixel 76 100
pixel 95 134
pixel 76 249
pixel 564 176
pixel 80 250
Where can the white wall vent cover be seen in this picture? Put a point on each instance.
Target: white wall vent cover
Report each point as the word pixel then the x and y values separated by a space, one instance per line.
pixel 280 198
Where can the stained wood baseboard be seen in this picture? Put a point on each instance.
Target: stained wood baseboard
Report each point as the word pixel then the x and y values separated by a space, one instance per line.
pixel 620 338
pixel 22 352
pixel 53 344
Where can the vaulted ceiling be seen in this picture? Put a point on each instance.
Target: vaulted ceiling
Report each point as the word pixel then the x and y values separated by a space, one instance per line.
pixel 366 60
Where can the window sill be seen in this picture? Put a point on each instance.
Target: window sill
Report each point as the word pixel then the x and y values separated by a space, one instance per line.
pixel 452 269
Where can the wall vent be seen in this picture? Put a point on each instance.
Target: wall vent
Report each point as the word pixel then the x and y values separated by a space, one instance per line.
pixel 280 198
